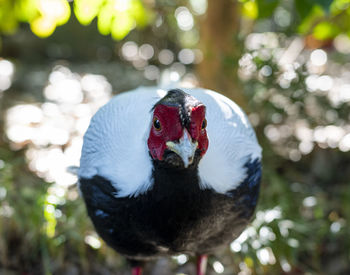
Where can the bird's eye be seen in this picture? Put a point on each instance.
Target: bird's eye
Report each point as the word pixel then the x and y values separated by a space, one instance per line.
pixel 204 124
pixel 156 124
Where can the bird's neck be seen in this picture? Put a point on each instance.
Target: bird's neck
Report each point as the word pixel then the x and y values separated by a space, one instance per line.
pixel 169 181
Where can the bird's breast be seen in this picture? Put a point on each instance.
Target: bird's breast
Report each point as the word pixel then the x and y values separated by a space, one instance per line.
pixel 174 216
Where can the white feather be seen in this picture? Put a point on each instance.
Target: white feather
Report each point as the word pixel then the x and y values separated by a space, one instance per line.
pixel 115 145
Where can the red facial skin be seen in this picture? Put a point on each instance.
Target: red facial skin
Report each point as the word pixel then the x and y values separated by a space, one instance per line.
pixel 195 128
pixel 172 130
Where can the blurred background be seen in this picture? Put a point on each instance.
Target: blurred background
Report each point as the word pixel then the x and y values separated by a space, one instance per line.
pixel 286 63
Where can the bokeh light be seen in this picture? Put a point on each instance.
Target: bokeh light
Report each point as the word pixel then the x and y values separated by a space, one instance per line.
pixel 295 89
pixel 52 131
pixel 166 57
pixel 6 73
pixel 184 18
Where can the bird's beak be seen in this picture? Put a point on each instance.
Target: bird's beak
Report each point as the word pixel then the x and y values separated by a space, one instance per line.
pixel 185 148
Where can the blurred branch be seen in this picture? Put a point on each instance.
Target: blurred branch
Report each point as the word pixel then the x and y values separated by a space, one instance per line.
pixel 219 31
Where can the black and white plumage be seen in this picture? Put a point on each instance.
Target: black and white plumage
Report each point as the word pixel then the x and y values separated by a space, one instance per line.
pixel 147 203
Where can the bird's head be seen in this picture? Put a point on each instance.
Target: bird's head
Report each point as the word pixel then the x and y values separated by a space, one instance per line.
pixel 178 133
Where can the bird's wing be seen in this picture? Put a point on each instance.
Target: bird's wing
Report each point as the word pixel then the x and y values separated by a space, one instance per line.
pixel 115 144
pixel 98 193
pixel 73 170
pixel 246 194
pixel 232 143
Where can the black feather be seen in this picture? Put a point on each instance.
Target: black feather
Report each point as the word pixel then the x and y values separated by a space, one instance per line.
pixel 183 101
pixel 174 216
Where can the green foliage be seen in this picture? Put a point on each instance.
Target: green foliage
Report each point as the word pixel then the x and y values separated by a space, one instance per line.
pixel 303 211
pixel 266 7
pixel 43 16
pixel 324 19
pixel 250 9
pixel 304 7
pixel 21 208
pixel 325 4
pixel 309 189
pixel 315 15
pixel 37 233
pixel 115 17
pixel 325 30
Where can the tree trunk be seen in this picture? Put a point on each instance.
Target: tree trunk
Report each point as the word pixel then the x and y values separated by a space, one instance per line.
pixel 221 49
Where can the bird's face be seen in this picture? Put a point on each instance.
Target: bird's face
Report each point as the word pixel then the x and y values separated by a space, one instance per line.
pixel 178 134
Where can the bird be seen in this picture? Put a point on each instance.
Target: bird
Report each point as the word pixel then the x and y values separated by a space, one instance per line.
pixel 173 171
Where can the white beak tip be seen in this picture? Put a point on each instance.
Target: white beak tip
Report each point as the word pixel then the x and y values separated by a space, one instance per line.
pixel 185 148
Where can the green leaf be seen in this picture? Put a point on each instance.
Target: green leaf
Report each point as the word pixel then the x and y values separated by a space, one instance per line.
pixel 123 23
pixel 266 7
pixel 104 20
pixel 325 30
pixel 26 10
pixel 43 26
pixel 304 7
pixel 9 25
pixel 307 24
pixel 8 22
pixel 63 16
pixel 339 6
pixel 250 9
pixel 138 12
pixel 325 4
pixel 86 10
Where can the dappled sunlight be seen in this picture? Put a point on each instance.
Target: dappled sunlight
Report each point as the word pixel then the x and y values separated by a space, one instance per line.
pixel 52 13
pixel 262 235
pixel 144 56
pixel 293 64
pixel 115 17
pixel 184 18
pixel 52 131
pixel 318 58
pixel 52 135
pixel 181 259
pixel 93 240
pixel 7 70
pixel 296 70
pixel 218 267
